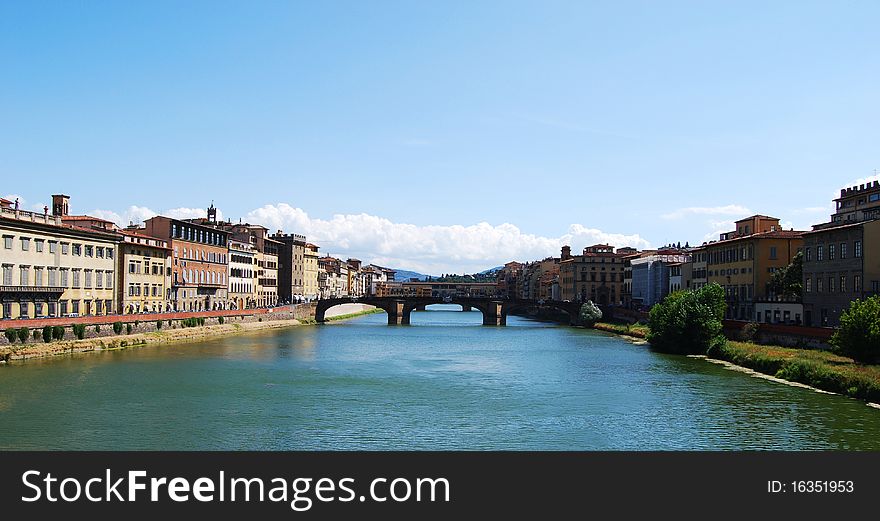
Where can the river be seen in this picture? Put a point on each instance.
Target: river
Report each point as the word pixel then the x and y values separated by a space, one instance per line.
pixel 444 382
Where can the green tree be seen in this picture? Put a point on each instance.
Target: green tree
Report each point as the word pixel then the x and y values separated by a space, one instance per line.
pixel 787 282
pixel 11 333
pixel 688 322
pixel 47 334
pixel 23 334
pixel 58 332
pixel 589 313
pixel 859 333
pixel 117 327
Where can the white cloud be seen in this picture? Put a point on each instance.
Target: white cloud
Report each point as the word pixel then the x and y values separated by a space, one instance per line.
pixel 190 213
pixel 730 209
pixel 429 249
pixel 133 215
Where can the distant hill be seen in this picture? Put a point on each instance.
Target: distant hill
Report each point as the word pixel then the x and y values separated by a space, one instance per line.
pixel 404 275
pixel 491 270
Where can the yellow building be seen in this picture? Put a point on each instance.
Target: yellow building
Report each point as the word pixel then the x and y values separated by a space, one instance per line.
pixel 145 271
pixel 743 262
pixel 310 272
pixel 595 275
pixel 53 268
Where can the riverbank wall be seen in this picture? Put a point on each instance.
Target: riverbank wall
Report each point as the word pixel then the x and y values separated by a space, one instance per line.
pixel 146 329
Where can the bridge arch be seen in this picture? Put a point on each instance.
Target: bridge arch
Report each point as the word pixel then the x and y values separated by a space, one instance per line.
pixel 572 309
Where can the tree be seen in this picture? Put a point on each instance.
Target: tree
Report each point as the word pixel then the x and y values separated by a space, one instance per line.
pixel 589 313
pixel 688 322
pixel 859 333
pixel 787 282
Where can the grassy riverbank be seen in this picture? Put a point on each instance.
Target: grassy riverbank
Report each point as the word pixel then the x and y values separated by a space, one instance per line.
pixel 820 369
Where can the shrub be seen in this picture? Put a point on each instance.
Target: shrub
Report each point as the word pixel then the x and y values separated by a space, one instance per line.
pixel 158 324
pixel 688 322
pixel 589 313
pixel 97 329
pixel 220 321
pixel 128 328
pixel 137 323
pixel 47 334
pixel 23 334
pixel 11 333
pixel 748 332
pixel 117 327
pixel 36 334
pixel 859 333
pixel 79 331
pixel 58 333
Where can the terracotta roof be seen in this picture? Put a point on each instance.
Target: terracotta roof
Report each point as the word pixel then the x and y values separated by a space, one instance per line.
pixel 84 218
pixel 778 234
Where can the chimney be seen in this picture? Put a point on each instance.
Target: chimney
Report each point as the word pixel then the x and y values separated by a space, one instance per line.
pixel 60 205
pixel 566 252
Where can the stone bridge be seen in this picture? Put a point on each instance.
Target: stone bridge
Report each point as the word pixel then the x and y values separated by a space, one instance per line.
pixel 494 310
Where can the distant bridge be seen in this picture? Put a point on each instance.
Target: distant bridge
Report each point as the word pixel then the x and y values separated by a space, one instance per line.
pixel 494 310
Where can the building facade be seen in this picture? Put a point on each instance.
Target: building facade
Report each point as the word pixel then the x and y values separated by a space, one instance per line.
pixel 291 266
pixel 51 268
pixel 597 275
pixel 743 262
pixel 842 256
pixel 242 275
pixel 145 274
pixel 199 262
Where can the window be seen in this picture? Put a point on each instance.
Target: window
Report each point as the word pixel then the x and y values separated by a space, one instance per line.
pixel 75 306
pixel 819 288
pixel 53 246
pixel 808 285
pixel 857 249
pixel 109 253
pixel 77 249
pixel 24 273
pixel 25 243
pixel 38 276
pixel 131 267
pixel 857 284
pixel 53 277
pixel 808 254
pixel 843 250
pixel 65 248
pixel 64 277
pixel 772 252
pixel 7 242
pixel 7 274
pixel 873 198
pixel 831 252
pixel 843 283
pixel 90 251
pixel 99 279
pixel 819 253
pixel 109 276
pixel 38 244
pixel 99 252
pixel 76 277
pixel 830 284
pixel 63 307
pixel 131 290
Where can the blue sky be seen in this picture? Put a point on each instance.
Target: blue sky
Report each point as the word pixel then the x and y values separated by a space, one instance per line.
pixel 446 136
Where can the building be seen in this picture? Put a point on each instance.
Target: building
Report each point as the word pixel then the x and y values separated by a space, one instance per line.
pixel 842 256
pixel 374 276
pixel 266 248
pixel 597 275
pixel 291 266
pixel 199 262
pixel 310 272
pixel 242 275
pixel 54 268
pixel 743 262
pixel 538 278
pixel 650 271
pixel 145 273
pixel 698 268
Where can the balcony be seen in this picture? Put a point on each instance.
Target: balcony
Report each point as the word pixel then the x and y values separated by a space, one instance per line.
pixel 24 215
